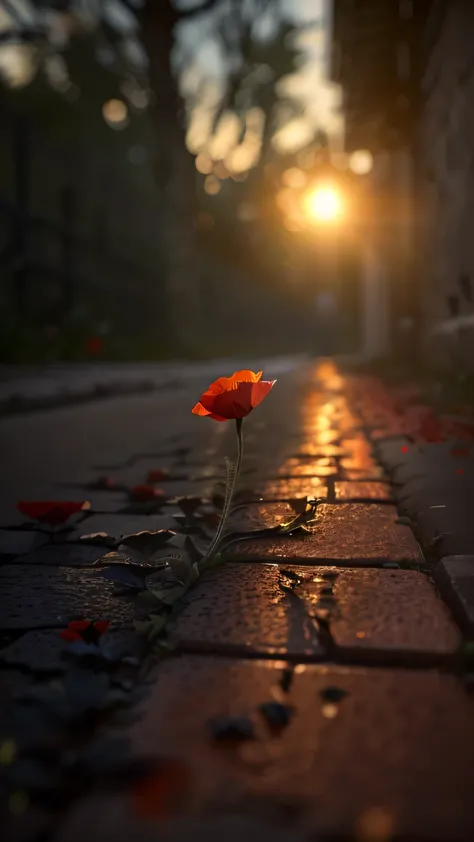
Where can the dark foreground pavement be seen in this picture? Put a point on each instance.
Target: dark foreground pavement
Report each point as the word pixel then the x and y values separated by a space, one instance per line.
pixel 312 686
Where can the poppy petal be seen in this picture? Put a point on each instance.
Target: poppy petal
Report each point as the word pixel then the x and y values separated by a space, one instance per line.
pixel 223 384
pixel 235 403
pixel 260 391
pixel 157 475
pixel 52 512
pixel 79 625
pixel 144 493
pixel 101 626
pixel 246 376
pixel 199 409
pixel 233 397
pixel 70 636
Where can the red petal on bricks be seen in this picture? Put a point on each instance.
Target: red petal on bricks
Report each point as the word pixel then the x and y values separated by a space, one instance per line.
pixel 52 512
pixel 158 475
pixel 79 625
pixel 101 626
pixel 143 493
pixel 70 636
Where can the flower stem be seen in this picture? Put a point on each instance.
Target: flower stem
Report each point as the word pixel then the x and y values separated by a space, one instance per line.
pixel 229 494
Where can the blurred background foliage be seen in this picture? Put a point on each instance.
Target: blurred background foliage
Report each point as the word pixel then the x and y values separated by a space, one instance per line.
pixel 147 150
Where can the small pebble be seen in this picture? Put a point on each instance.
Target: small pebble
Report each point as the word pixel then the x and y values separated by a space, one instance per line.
pixel 333 694
pixel 276 714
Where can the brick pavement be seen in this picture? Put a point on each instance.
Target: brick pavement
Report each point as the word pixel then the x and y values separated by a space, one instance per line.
pixel 315 686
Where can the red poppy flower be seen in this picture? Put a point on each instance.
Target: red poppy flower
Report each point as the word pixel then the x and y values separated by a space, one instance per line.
pixel 52 512
pixel 84 630
pixel 144 493
pixel 159 794
pixel 231 398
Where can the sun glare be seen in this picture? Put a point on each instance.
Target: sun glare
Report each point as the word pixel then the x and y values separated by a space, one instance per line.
pixel 322 205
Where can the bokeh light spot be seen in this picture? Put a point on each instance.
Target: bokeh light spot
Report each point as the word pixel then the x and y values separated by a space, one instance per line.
pixel 294 177
pixel 361 162
pixel 115 113
pixel 212 185
pixel 322 204
pixel 204 164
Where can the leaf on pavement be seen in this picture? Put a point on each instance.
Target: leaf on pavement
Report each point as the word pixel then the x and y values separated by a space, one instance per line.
pixel 189 504
pixel 147 543
pixel 129 576
pixel 152 627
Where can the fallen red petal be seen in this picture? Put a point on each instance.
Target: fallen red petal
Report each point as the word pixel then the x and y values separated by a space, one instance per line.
pixel 79 625
pixel 101 626
pixel 52 512
pixel 143 493
pixel 157 475
pixel 70 636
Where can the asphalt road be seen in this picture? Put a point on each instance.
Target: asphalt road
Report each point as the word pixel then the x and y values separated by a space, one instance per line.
pixel 40 451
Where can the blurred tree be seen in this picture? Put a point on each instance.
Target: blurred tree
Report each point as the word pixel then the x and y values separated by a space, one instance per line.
pixel 45 37
pixel 135 40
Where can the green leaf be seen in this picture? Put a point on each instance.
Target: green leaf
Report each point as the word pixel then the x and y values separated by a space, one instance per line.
pixel 152 627
pixel 169 593
pixel 147 544
pixel 147 599
pixel 178 540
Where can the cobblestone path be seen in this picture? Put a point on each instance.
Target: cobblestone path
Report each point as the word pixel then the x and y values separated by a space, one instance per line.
pixel 312 686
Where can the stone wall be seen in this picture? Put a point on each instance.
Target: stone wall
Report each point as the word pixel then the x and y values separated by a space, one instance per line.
pixel 445 195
